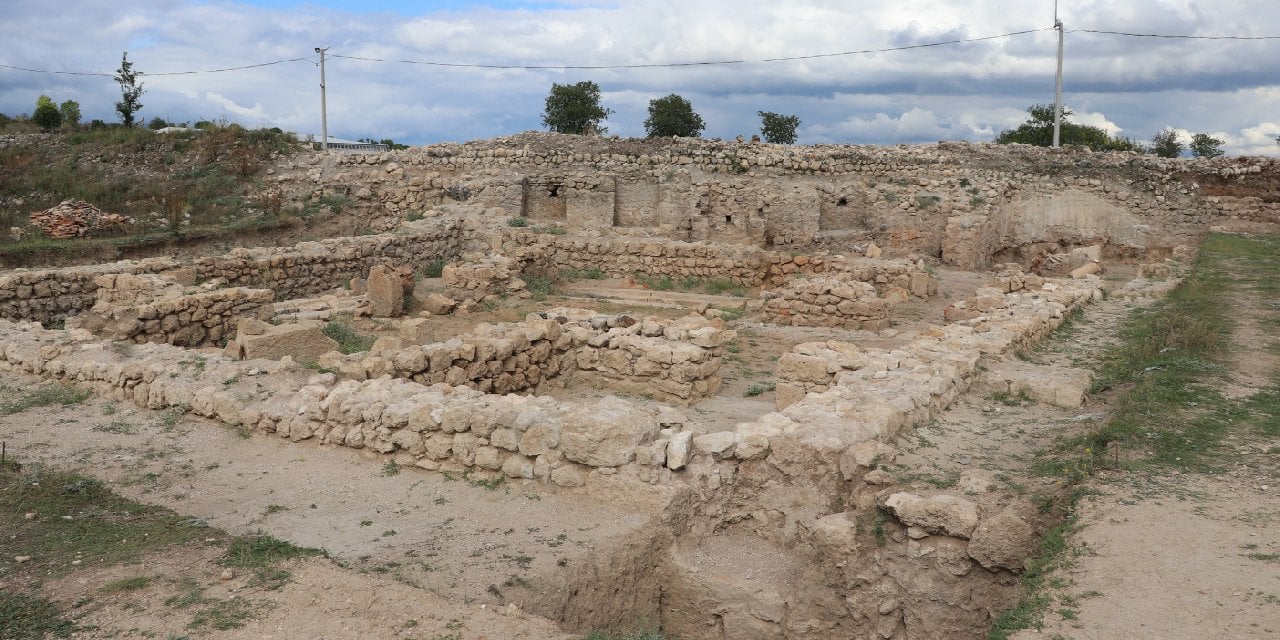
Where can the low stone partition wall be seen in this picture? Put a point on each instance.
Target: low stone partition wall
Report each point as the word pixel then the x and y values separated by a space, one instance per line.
pixel 676 362
pixel 995 322
pixel 151 308
pixel 744 265
pixel 672 360
pixel 437 427
pixel 826 302
pixel 310 268
pixel 476 282
pixel 307 268
pixel 814 446
pixel 45 295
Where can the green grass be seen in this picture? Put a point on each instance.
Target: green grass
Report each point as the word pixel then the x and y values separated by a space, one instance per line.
pixel 103 528
pixel 349 340
pixel 539 287
pixel 126 584
pixel 758 389
pixel 262 551
pixel 433 269
pixel 517 222
pixel 42 396
pixel 28 617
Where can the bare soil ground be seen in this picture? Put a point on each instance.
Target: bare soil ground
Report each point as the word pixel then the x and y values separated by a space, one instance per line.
pixel 421 555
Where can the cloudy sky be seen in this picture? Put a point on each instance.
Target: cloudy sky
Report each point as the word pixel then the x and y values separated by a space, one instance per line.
pixel 969 91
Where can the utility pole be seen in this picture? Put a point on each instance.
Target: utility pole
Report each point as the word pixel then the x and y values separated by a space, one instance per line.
pixel 324 115
pixel 1057 94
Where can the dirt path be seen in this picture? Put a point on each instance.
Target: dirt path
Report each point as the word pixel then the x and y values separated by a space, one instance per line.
pixel 1187 555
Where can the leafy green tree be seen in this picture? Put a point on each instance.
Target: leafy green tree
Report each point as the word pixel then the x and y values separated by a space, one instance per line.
pixel 157 123
pixel 1038 130
pixel 778 128
pixel 673 116
pixel 130 91
pixel 1166 144
pixel 46 115
pixel 575 108
pixel 70 113
pixel 1204 145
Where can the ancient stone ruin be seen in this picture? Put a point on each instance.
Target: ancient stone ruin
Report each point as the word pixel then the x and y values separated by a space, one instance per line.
pixel 877 284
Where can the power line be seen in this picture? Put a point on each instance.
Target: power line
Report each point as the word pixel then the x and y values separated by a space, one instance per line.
pixel 657 65
pixel 704 63
pixel 161 73
pixel 1171 37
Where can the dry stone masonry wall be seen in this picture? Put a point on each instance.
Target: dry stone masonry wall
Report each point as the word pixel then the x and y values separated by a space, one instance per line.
pixel 152 308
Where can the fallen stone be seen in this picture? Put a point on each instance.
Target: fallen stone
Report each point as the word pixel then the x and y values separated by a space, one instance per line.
pixel 943 514
pixel 1003 542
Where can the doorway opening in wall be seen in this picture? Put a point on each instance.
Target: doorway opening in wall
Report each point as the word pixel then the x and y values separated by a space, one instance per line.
pixel 553 190
pixel 728 219
pixel 842 202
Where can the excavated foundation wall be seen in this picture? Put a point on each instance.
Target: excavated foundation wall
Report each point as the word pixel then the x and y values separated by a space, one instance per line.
pixel 151 308
pixel 305 269
pixel 748 266
pixel 959 202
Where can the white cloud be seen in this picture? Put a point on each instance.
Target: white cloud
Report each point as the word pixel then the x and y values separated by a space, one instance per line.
pixel 963 91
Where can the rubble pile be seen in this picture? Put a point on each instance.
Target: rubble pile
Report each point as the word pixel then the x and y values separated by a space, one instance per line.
pixel 76 219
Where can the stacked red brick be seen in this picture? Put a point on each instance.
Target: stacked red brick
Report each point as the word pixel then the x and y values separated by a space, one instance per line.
pixel 76 219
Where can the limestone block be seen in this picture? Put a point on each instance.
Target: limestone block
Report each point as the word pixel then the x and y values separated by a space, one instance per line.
pixel 518 466
pixel 1059 386
pixel 942 514
pixel 679 450
pixel 386 292
pixel 718 445
pixel 802 368
pixel 605 434
pixel 1003 542
pixel 569 475
pixel 437 304
pixel 303 341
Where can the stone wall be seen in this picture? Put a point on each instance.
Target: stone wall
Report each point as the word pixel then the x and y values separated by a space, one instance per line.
pixel 998 321
pixel 304 269
pixel 826 302
pixel 672 361
pixel 151 308
pixel 309 268
pixel 437 427
pixel 829 197
pixel 45 295
pixel 475 282
pixel 747 266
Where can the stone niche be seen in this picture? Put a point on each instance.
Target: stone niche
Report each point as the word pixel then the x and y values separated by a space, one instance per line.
pixel 544 199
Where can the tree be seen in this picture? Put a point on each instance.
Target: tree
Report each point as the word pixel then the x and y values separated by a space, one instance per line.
pixel 672 116
pixel 575 108
pixel 1204 145
pixel 1166 144
pixel 157 123
pixel 46 115
pixel 778 128
pixel 70 113
pixel 130 91
pixel 1038 130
